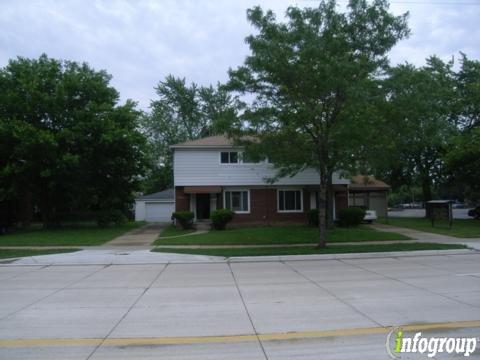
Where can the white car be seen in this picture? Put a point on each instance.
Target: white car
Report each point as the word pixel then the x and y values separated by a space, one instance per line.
pixel 370 215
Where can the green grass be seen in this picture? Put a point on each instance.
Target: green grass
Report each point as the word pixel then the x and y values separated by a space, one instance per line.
pixel 306 250
pixel 462 228
pixel 14 253
pixel 281 235
pixel 72 235
pixel 172 230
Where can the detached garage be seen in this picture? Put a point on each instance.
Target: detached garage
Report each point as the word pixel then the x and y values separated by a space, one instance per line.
pixel 156 207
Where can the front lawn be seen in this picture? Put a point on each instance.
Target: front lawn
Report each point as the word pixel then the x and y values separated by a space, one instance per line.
pixel 172 230
pixel 307 250
pixel 15 253
pixel 72 235
pixel 462 228
pixel 281 235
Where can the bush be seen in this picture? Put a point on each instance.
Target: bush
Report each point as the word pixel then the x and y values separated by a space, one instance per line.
pixel 185 218
pixel 107 216
pixel 352 216
pixel 313 217
pixel 220 218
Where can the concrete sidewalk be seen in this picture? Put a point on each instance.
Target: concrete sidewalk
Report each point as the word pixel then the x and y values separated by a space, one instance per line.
pixel 422 236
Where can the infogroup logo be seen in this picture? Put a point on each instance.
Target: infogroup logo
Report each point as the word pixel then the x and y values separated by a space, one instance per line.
pixel 397 343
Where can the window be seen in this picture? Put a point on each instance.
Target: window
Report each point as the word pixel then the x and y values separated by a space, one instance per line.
pixel 238 201
pixel 247 160
pixel 229 157
pixel 290 201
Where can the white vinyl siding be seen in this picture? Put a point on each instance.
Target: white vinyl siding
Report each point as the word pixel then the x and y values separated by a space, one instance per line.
pixel 197 167
pixel 237 200
pixel 290 200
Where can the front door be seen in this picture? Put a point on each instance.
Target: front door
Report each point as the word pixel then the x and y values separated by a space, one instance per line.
pixel 203 206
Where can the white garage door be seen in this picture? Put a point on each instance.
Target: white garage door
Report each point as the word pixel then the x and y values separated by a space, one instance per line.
pixel 159 211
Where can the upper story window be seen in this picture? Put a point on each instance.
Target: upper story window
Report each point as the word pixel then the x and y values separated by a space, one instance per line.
pixel 236 157
pixel 229 157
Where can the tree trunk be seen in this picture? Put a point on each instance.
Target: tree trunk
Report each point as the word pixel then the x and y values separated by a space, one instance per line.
pixel 48 211
pixel 329 200
pixel 322 210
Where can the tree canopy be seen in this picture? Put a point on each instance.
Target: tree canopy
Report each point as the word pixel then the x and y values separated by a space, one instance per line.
pixel 65 140
pixel 310 78
pixel 183 112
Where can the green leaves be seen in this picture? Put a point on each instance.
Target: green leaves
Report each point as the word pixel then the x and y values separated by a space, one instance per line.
pixel 65 140
pixel 310 78
pixel 183 112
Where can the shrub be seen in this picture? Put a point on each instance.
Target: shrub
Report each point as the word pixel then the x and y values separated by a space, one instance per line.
pixel 352 216
pixel 221 217
pixel 107 216
pixel 313 217
pixel 185 218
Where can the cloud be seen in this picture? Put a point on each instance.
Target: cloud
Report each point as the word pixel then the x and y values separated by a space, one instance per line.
pixel 140 42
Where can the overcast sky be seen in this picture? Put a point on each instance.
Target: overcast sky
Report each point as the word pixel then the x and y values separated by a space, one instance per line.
pixel 140 42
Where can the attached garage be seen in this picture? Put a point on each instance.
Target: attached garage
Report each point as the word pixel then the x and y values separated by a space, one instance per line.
pixel 156 207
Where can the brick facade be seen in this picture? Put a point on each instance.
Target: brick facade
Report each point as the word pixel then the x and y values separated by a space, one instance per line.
pixel 263 207
pixel 182 200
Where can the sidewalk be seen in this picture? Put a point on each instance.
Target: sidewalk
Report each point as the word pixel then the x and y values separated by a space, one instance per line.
pixel 422 236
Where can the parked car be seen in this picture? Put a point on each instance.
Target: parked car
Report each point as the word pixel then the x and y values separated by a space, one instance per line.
pixel 458 205
pixel 475 213
pixel 370 215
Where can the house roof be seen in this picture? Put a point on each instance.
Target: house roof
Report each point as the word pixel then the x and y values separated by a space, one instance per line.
pixel 364 182
pixel 212 141
pixel 165 195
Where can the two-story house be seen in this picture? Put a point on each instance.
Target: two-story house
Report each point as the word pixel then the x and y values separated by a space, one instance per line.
pixel 212 173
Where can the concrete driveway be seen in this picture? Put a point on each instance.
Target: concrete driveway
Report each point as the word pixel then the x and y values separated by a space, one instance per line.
pixel 323 309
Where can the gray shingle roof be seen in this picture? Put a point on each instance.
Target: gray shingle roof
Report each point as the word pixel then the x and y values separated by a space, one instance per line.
pixel 168 194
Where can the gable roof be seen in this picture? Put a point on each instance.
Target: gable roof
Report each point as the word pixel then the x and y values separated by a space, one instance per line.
pixel 165 195
pixel 363 182
pixel 209 141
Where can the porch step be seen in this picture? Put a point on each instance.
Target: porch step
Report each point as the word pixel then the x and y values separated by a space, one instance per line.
pixel 203 225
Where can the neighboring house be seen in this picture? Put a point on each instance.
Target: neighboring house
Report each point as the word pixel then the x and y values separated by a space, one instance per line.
pixel 211 173
pixel 157 207
pixel 368 192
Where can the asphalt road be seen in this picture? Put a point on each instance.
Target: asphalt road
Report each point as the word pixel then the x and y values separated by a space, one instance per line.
pixel 324 309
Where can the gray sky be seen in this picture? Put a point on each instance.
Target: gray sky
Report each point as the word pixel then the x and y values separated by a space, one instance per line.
pixel 140 42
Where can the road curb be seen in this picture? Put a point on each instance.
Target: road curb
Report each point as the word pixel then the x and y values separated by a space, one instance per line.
pixel 371 255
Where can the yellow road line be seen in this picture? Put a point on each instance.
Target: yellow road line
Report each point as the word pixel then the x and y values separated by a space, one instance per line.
pixel 187 340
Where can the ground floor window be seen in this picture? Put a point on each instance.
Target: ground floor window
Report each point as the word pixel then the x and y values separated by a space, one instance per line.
pixel 237 200
pixel 290 200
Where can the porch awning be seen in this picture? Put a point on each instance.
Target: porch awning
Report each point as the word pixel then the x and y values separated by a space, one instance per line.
pixel 202 189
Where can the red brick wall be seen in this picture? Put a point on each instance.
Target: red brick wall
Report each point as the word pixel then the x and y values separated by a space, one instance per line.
pixel 263 210
pixel 182 200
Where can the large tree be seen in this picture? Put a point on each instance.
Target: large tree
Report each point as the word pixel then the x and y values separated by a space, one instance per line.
pixel 183 112
pixel 66 141
pixel 463 155
pixel 310 78
pixel 420 117
pixel 468 88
